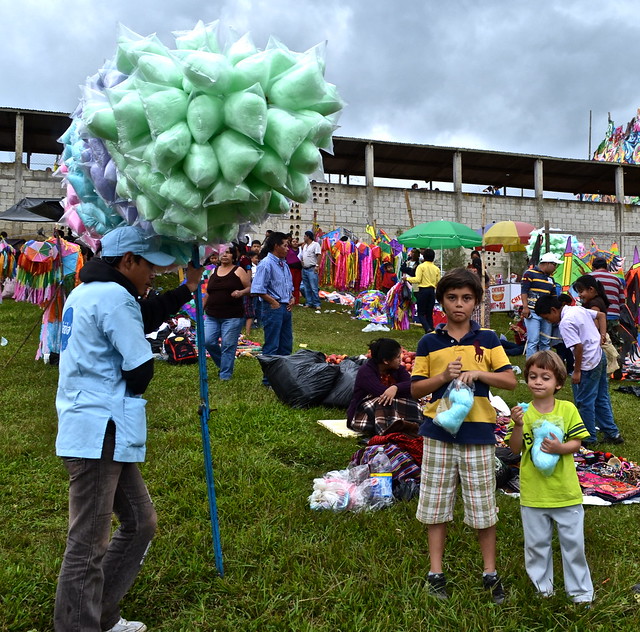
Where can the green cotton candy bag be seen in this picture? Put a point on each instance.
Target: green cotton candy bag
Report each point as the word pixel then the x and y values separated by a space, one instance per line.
pixel 329 103
pixel 171 147
pixel 146 181
pixel 300 87
pixel 146 208
pixel 249 71
pixel 209 72
pixel 100 121
pixel 201 165
pixel 242 48
pixel 195 223
pixel 319 126
pixel 223 214
pixel 237 155
pixel 129 51
pixel 224 193
pixel 270 169
pixel 205 117
pixel 278 204
pixel 201 37
pixel 306 159
pixel 160 70
pixel 246 112
pixel 130 117
pixel 297 188
pixel 179 190
pixel 164 107
pixel 284 132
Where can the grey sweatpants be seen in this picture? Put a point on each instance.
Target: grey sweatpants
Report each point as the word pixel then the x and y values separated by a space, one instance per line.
pixel 538 531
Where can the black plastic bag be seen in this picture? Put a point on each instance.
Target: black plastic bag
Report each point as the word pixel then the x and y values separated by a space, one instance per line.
pixel 342 391
pixel 300 380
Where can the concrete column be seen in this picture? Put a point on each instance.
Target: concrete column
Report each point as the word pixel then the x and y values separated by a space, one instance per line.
pixel 620 206
pixel 457 184
pixel 369 174
pixel 538 183
pixel 18 156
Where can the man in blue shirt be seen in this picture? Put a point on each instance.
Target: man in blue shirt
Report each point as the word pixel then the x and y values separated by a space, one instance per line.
pixel 274 285
pixel 106 365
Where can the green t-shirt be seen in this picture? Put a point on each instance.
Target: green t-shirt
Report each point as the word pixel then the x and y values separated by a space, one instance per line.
pixel 561 489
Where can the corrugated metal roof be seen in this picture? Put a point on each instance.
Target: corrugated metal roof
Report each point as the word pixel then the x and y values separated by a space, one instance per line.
pixel 404 161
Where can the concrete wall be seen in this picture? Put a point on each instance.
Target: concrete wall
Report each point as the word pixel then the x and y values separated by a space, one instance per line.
pixel 40 184
pixel 334 205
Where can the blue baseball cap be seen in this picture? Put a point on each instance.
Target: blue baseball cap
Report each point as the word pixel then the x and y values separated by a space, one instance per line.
pixel 133 239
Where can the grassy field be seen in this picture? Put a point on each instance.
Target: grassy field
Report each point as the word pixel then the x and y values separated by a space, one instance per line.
pixel 286 567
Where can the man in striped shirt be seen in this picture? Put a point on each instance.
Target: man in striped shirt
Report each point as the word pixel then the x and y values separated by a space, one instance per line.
pixel 614 289
pixel 536 282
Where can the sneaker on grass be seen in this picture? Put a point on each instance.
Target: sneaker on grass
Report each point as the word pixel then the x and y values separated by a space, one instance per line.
pixel 437 585
pixel 493 583
pixel 128 626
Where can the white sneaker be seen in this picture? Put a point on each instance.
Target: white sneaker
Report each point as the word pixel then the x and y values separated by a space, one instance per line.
pixel 128 626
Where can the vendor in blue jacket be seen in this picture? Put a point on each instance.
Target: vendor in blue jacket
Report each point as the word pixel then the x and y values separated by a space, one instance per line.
pixel 106 365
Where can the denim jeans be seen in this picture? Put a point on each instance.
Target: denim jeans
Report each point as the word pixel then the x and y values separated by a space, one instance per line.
pixel 538 334
pixel 97 571
pixel 221 341
pixel 310 282
pixel 278 331
pixel 425 302
pixel 592 400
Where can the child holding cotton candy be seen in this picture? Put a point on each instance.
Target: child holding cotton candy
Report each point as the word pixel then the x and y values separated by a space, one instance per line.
pixel 547 434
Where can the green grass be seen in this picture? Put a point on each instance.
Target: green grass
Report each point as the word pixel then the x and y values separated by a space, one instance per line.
pixel 286 567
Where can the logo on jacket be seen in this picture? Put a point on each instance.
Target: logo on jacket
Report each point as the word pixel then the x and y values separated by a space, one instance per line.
pixel 67 322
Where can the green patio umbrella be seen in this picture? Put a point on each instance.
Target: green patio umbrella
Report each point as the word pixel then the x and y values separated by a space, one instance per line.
pixel 441 235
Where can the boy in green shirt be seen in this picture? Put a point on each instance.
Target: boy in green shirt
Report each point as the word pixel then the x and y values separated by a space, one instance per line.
pixel 555 497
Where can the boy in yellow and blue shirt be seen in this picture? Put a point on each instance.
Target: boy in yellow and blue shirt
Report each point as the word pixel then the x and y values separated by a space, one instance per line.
pixel 462 350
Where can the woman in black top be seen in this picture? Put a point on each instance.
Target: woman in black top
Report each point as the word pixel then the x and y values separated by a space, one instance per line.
pixel 224 311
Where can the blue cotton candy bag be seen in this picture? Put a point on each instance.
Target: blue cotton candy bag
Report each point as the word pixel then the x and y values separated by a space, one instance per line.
pixel 454 406
pixel 544 461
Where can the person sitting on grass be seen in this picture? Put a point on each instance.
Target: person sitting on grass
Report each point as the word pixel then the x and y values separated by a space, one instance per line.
pixel 589 379
pixel 555 498
pixel 382 392
pixel 460 350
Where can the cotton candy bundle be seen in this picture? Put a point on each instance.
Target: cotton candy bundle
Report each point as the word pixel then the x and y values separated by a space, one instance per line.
pixel 544 461
pixel 201 137
pixel 454 407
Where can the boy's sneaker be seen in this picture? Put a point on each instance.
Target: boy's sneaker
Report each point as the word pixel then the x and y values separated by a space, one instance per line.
pixel 617 440
pixel 494 584
pixel 437 585
pixel 128 626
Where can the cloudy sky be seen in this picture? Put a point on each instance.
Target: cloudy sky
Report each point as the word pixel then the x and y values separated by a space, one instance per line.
pixel 506 75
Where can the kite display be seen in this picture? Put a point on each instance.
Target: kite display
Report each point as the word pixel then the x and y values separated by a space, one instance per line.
pixel 622 146
pixel 192 141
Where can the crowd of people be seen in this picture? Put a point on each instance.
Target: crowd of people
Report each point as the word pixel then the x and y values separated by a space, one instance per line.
pixel 106 366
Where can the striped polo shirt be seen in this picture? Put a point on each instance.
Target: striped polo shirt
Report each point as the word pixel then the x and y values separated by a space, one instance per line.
pixel 480 350
pixel 535 284
pixel 614 289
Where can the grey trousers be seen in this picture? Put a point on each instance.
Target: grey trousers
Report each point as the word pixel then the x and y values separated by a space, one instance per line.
pixel 538 531
pixel 98 568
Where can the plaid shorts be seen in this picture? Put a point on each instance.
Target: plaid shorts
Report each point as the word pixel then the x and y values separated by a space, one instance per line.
pixel 443 465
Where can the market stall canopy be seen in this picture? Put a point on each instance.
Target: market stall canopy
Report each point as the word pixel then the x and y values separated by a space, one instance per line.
pixel 33 210
pixel 439 235
pixel 511 236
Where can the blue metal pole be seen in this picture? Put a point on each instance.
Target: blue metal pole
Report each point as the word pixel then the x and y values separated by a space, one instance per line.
pixel 203 411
